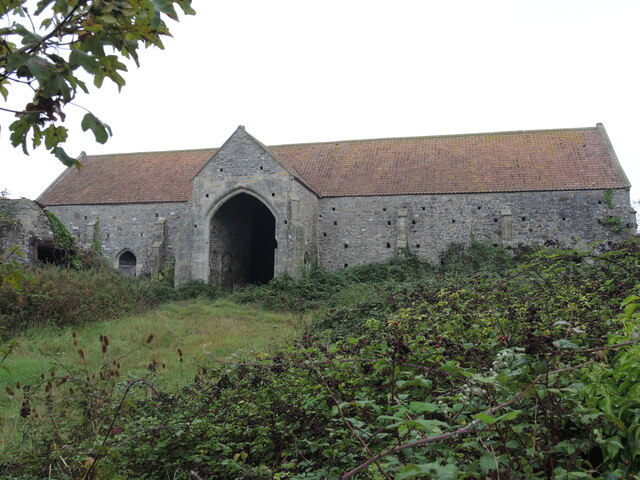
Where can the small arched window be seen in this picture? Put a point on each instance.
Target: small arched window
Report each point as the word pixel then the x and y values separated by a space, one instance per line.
pixel 127 263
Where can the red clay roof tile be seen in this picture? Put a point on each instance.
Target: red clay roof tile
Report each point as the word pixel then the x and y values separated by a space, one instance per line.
pixel 571 159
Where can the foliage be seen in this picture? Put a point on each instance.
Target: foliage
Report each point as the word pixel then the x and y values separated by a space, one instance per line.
pixel 607 197
pixel 50 46
pixel 202 329
pixel 8 220
pixel 318 286
pixel 12 274
pixel 61 235
pixel 612 223
pixel 61 296
pixel 96 244
pixel 476 256
pixel 531 373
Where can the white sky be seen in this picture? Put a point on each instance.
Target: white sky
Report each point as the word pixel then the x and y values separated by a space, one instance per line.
pixel 297 71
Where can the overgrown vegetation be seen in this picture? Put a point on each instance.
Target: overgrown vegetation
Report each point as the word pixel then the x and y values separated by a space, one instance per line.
pixel 408 371
pixel 57 296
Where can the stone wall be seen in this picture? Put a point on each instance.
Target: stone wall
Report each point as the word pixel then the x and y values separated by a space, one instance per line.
pixel 134 227
pixel 23 224
pixel 243 165
pixel 342 231
pixel 354 230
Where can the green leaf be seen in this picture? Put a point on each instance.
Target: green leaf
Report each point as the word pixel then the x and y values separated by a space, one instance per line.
pixel 40 68
pixel 19 130
pixel 166 7
pixel 564 343
pixel 421 407
pixel 487 463
pixel 629 309
pixel 66 159
pixel 483 417
pixel 508 416
pixel 54 135
pixel 27 35
pixel 3 89
pixel 433 471
pixel 100 130
pixel 78 58
pixel 185 5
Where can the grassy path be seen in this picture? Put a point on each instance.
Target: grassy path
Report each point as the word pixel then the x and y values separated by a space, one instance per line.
pixel 204 331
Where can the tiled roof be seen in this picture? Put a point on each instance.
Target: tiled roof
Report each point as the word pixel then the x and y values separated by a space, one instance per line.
pixel 128 178
pixel 569 159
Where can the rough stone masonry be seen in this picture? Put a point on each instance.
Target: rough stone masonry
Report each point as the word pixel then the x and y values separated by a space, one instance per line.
pixel 246 212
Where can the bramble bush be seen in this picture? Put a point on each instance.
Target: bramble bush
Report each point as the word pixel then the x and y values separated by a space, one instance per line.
pixel 530 373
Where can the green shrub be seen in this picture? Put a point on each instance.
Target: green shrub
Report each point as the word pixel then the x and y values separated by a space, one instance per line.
pixel 476 256
pixel 62 296
pixel 198 288
pixel 528 374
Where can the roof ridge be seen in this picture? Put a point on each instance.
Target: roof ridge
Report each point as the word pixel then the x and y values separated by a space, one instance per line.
pixel 153 152
pixel 454 135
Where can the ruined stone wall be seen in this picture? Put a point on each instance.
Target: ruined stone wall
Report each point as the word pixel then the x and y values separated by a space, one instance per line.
pixel 23 224
pixel 136 227
pixel 355 230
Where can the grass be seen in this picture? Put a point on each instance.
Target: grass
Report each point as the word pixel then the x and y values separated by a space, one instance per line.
pixel 204 331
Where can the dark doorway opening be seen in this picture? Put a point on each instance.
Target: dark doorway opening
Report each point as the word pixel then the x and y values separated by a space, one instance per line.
pixel 242 243
pixel 49 254
pixel 127 263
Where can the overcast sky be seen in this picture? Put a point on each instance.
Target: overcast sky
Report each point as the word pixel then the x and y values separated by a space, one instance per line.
pixel 300 71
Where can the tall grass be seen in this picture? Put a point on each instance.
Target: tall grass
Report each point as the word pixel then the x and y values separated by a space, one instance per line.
pixel 204 331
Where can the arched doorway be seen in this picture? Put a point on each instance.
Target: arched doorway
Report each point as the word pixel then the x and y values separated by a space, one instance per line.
pixel 127 263
pixel 242 243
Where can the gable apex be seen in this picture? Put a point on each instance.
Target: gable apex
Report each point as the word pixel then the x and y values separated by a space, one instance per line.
pixel 241 137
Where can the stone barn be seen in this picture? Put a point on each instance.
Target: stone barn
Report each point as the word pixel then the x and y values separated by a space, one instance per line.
pixel 246 212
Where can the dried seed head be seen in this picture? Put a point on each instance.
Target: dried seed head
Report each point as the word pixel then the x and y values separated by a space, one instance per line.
pixel 81 353
pixel 9 391
pixel 106 340
pixel 180 352
pixel 75 343
pixel 18 385
pixel 104 348
pixel 101 339
pixel 74 334
pixel 150 339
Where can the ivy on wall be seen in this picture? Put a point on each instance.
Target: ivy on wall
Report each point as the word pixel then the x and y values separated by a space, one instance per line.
pixel 61 235
pixel 64 240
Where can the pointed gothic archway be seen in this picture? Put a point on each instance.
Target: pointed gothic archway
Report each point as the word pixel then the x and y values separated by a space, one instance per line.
pixel 127 263
pixel 242 243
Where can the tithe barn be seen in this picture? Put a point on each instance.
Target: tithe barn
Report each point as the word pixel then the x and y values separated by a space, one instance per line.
pixel 246 212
